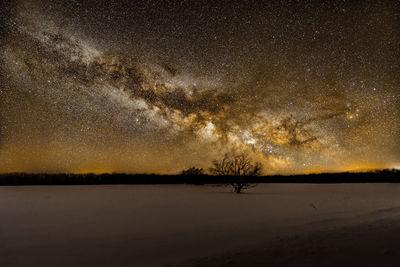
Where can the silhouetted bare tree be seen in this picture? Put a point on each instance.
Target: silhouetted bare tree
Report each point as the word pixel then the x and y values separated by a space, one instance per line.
pixel 240 167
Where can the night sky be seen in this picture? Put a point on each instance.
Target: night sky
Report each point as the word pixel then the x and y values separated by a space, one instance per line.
pixel 159 86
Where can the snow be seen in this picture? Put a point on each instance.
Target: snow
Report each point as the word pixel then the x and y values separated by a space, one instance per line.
pixel 152 225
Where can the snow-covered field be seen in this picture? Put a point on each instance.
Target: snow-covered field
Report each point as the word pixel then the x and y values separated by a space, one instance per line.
pixel 154 225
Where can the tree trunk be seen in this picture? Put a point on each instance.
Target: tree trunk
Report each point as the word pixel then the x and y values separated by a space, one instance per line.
pixel 238 189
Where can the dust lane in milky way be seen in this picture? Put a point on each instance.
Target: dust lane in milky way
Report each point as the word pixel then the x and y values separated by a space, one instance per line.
pixel 160 86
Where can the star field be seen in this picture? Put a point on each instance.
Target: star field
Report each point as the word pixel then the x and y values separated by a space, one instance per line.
pixel 158 86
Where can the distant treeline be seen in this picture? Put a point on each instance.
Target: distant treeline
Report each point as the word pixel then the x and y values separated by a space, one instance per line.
pixel 382 176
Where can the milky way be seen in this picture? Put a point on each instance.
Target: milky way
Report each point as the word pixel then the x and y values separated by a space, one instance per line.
pixel 158 86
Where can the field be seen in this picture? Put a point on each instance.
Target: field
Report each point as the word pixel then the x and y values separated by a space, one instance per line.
pixel 157 225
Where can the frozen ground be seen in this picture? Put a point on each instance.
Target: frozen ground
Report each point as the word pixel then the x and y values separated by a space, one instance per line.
pixel 155 225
